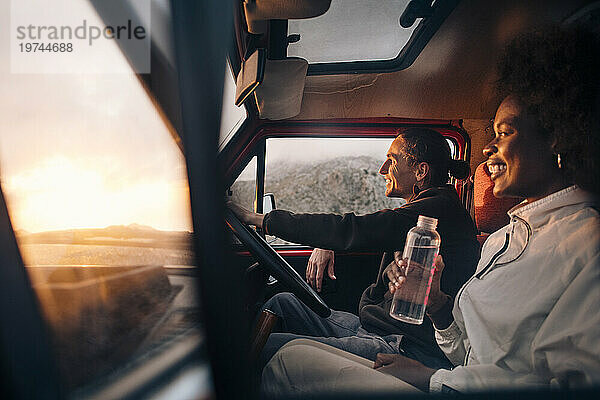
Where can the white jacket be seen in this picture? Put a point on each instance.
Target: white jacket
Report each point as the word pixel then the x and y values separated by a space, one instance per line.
pixel 530 316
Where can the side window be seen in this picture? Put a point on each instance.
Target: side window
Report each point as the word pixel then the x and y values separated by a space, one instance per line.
pixel 243 190
pixel 327 175
pixel 232 116
pixel 98 197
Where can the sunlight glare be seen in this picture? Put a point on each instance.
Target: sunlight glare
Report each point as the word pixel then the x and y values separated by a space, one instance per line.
pixel 59 193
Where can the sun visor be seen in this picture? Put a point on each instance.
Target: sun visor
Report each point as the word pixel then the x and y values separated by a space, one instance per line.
pixel 279 96
pixel 260 10
pixel 250 76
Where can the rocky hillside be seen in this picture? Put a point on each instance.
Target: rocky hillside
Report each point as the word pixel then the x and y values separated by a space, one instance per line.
pixel 344 184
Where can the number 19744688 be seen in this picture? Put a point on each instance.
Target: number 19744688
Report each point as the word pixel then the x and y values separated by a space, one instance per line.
pixel 35 47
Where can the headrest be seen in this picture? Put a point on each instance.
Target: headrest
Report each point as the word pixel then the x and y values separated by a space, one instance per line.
pixel 490 211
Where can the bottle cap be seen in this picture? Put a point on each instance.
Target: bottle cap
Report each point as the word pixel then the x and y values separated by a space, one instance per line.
pixel 427 221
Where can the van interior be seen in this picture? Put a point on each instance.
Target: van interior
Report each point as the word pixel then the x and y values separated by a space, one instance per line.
pixel 271 104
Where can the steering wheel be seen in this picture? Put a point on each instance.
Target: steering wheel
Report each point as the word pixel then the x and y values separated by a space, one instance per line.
pixel 276 265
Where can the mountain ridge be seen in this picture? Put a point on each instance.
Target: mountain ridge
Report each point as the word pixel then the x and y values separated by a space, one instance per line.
pixel 340 185
pixel 122 235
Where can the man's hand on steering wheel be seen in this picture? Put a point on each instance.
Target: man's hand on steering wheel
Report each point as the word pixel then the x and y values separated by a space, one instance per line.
pixel 238 219
pixel 318 261
pixel 246 216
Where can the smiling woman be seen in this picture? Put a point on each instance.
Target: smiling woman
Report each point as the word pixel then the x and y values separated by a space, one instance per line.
pixel 515 169
pixel 528 317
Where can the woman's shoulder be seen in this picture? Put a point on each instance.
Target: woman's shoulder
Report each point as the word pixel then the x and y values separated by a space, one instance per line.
pixel 578 231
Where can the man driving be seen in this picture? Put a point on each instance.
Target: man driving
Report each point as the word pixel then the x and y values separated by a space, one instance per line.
pixel 417 168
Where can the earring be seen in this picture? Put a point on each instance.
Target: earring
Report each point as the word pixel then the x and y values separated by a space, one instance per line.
pixel 559 161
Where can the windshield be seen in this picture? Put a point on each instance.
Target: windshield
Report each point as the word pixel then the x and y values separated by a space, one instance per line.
pixel 98 197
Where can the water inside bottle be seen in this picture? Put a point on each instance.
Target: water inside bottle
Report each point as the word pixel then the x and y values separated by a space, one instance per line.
pixel 408 304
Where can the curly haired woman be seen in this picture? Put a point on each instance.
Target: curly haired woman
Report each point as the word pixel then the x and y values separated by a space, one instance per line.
pixel 529 317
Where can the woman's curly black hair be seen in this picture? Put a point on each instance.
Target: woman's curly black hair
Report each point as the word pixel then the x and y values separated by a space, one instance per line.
pixel 555 73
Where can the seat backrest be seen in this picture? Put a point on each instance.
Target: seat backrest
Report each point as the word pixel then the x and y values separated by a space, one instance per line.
pixel 489 211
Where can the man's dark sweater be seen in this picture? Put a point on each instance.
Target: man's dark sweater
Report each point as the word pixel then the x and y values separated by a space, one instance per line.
pixel 386 231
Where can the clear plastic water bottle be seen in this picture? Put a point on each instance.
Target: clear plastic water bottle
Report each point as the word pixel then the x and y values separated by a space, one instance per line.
pixel 421 248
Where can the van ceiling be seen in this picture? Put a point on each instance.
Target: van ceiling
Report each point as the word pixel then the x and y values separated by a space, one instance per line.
pixel 453 76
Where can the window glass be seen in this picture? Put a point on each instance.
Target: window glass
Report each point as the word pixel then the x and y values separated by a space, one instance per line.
pixel 232 116
pixel 98 198
pixel 352 30
pixel 323 175
pixel 329 175
pixel 243 190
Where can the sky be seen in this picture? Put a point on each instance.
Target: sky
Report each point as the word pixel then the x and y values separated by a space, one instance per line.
pixel 331 37
pixel 86 150
pixel 89 150
pixel 321 149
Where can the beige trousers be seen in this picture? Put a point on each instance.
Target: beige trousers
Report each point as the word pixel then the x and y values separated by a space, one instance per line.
pixel 305 366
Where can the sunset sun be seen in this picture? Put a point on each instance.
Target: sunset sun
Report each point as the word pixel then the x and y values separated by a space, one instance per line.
pixel 59 193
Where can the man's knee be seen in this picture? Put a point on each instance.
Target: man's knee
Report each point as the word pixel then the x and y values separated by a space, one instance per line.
pixel 280 303
pixel 304 342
